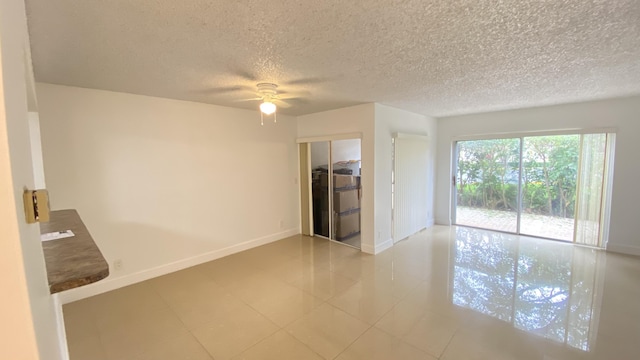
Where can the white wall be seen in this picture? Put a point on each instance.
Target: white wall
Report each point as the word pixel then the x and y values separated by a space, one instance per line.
pixel 163 184
pixel 624 114
pixel 389 121
pixel 354 119
pixel 36 150
pixel 28 311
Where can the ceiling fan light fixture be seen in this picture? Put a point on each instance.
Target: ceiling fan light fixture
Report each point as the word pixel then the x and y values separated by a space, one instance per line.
pixel 268 107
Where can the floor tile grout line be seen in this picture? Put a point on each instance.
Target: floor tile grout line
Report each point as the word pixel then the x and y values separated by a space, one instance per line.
pixel 288 333
pixel 448 343
pixel 190 331
pixel 356 339
pixel 423 315
pixel 267 318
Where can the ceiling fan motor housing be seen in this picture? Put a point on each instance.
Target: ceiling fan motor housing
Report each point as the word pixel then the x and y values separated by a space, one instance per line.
pixel 267 90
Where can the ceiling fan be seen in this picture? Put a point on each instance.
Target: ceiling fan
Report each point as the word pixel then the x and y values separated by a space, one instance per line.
pixel 268 94
pixel 270 100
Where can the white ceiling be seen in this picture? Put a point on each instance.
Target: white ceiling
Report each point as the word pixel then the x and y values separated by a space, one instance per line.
pixel 436 58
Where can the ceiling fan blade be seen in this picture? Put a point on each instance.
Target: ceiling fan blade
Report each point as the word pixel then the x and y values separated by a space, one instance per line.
pixel 307 81
pixel 295 93
pixel 281 103
pixel 290 97
pixel 253 99
pixel 226 90
pixel 244 74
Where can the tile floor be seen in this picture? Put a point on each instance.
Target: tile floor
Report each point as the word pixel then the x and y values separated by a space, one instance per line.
pixel 446 293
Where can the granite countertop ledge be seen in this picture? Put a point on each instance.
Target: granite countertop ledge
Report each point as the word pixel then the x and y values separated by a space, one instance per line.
pixel 74 261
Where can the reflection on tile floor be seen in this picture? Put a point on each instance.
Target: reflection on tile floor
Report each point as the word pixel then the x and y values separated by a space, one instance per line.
pixel 446 293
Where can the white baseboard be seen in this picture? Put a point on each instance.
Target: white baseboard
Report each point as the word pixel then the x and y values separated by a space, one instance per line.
pixel 431 222
pixel 109 284
pixel 624 249
pixel 368 248
pixel 383 246
pixel 377 249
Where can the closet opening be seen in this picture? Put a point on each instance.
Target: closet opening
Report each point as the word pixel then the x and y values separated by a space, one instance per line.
pixel 331 190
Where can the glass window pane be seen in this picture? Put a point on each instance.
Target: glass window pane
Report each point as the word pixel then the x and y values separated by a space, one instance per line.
pixel 487 184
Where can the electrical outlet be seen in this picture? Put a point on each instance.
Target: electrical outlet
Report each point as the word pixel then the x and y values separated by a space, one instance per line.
pixel 281 224
pixel 117 264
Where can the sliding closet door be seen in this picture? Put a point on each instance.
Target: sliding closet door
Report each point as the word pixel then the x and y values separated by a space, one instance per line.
pixel 320 188
pixel 346 191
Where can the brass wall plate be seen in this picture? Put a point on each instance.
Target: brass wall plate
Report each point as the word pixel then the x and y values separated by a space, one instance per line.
pixel 36 206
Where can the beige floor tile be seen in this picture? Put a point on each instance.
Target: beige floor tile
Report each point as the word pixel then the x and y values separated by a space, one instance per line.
pixel 401 284
pixel 435 297
pixel 267 257
pixel 290 270
pixel 229 336
pixel 80 320
pixel 86 347
pixel 500 343
pixel 318 256
pixel 295 246
pixel 323 283
pixel 279 346
pixel 186 285
pixel 354 266
pixel 229 269
pixel 132 336
pixel 199 311
pixel 127 303
pixel 401 319
pixel 445 291
pixel 286 306
pixel 378 345
pixel 431 333
pixel 254 288
pixel 185 347
pixel 365 300
pixel 326 255
pixel 339 250
pixel 327 330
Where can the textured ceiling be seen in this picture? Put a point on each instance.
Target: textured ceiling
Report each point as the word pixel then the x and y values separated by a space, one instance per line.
pixel 436 58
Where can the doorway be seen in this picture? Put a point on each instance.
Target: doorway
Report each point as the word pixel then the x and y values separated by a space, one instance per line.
pixel 549 186
pixel 334 173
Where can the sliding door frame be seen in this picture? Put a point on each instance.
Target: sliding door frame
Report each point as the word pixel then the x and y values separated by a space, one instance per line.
pixel 607 178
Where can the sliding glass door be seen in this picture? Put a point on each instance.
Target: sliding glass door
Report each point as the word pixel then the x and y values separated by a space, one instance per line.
pixel 545 186
pixel 549 184
pixel 487 184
